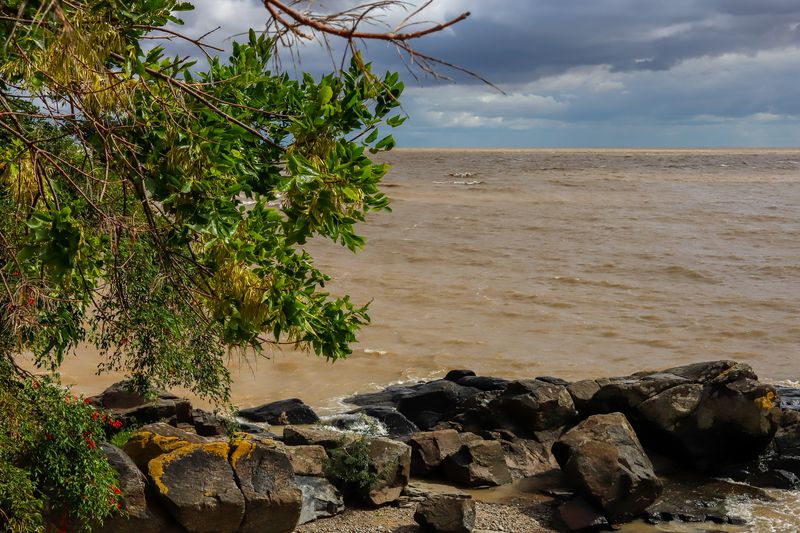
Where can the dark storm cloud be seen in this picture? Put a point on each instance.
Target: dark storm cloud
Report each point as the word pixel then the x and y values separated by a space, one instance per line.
pixel 519 40
pixel 585 72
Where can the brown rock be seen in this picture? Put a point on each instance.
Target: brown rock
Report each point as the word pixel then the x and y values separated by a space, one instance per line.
pixel 197 486
pixel 602 457
pixel 272 498
pixel 477 463
pixel 307 460
pixel 446 513
pixel 429 449
pixel 390 462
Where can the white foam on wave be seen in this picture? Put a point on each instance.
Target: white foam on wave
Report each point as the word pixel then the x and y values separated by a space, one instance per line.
pixel 779 516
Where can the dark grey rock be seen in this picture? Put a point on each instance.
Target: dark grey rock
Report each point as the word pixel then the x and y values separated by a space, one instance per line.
pixel 390 396
pixel 320 498
pixel 456 375
pixel 602 457
pixel 484 383
pixel 134 409
pixel 282 412
pixel 553 380
pixel 446 513
pixel 397 425
pixel 528 406
pixel 427 405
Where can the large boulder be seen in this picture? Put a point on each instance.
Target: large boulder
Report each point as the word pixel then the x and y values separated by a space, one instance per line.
pixel 136 514
pixel 390 463
pixel 446 513
pixel 320 498
pixel 135 409
pixel 197 486
pixel 529 406
pixel 157 439
pixel 265 476
pixel 427 405
pixel 477 463
pixel 282 412
pixel 430 448
pixel 602 457
pixel 706 414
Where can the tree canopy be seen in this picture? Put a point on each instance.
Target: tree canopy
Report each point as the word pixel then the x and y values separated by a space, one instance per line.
pixel 157 207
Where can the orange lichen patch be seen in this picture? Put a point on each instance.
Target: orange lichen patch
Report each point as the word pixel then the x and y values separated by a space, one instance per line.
pixel 157 465
pixel 143 446
pixel 767 401
pixel 241 448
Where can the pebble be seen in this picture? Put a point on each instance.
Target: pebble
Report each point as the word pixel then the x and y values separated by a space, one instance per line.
pixel 489 518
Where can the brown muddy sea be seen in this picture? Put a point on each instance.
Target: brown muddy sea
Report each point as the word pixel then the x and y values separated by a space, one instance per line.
pixel 570 263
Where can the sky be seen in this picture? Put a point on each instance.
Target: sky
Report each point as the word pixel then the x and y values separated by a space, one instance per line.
pixel 585 73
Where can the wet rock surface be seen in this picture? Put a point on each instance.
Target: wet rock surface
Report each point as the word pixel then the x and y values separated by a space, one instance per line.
pixel 703 500
pixel 282 412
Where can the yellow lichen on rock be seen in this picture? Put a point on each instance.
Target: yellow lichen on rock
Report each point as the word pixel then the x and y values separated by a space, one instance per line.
pixel 241 448
pixel 156 465
pixel 143 446
pixel 767 401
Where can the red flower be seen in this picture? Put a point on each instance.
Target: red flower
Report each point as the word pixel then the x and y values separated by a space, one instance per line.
pixel 95 415
pixel 87 401
pixel 31 301
pixel 116 424
pixel 89 442
pixel 116 490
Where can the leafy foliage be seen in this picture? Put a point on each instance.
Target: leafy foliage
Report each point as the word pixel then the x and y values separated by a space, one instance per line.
pixel 159 208
pixel 49 459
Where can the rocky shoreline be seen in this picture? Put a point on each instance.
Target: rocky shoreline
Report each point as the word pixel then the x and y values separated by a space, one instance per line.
pixel 674 445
